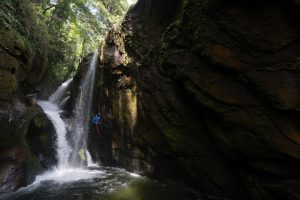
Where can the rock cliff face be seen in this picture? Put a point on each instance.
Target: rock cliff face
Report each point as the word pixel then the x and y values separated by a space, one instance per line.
pixel 26 134
pixel 207 92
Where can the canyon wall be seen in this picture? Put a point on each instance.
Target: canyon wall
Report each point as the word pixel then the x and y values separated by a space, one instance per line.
pixel 26 135
pixel 207 93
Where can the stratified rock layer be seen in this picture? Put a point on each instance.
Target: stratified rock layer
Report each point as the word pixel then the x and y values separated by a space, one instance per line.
pixel 207 93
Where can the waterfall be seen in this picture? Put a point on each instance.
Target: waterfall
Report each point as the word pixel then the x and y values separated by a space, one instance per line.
pixel 81 118
pixel 69 155
pixel 89 160
pixel 63 149
pixel 52 110
pixel 58 95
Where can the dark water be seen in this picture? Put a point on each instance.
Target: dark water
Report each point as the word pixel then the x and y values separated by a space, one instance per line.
pixel 101 184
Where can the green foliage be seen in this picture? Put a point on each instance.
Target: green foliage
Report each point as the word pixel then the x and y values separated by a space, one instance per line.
pixel 64 30
pixel 18 16
pixel 7 19
pixel 77 27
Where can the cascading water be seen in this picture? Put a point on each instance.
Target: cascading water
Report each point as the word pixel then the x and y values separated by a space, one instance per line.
pixel 82 115
pixel 89 160
pixel 52 110
pixel 63 149
pixel 67 156
pixel 58 95
pixel 67 167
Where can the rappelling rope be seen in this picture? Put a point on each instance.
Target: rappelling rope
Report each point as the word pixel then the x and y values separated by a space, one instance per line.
pixel 98 129
pixel 101 87
pixel 101 68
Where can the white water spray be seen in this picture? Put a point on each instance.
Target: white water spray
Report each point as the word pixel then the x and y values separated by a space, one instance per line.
pixel 58 95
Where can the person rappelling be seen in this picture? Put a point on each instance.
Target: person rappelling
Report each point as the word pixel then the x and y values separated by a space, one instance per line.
pixel 96 121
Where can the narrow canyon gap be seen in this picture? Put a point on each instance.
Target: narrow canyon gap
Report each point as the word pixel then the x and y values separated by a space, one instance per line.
pixel 201 95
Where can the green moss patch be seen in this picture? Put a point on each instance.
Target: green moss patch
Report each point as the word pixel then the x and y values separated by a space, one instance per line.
pixel 7 81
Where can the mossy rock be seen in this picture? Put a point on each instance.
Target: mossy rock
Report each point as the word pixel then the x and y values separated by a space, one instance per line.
pixel 45 137
pixel 41 120
pixel 40 137
pixel 16 45
pixel 8 62
pixel 81 154
pixel 33 167
pixel 7 80
pixel 8 84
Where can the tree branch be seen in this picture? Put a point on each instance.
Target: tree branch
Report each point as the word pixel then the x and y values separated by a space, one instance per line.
pixel 52 6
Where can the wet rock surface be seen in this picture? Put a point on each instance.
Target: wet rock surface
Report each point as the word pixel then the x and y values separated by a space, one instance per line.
pixel 207 93
pixel 26 146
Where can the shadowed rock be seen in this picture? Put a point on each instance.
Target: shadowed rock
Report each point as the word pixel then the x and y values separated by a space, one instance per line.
pixel 212 95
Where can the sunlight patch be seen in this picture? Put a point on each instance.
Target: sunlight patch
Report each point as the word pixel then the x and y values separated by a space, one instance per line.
pixel 130 2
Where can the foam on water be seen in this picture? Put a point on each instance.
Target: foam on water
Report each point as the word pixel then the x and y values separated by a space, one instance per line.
pixel 64 175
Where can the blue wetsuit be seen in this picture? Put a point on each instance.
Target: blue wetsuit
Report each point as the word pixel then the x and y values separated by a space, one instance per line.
pixel 97 119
